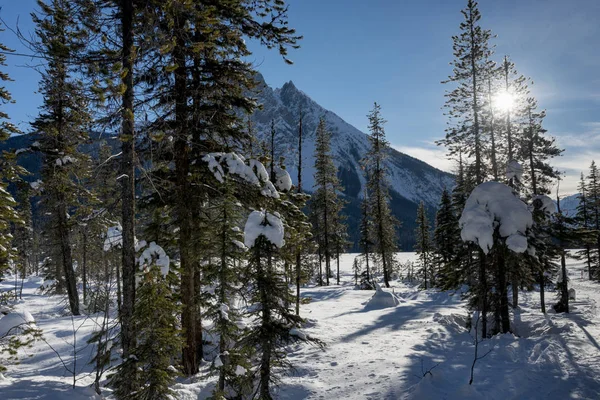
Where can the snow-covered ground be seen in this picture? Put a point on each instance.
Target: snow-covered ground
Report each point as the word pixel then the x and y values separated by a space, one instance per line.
pixel 372 352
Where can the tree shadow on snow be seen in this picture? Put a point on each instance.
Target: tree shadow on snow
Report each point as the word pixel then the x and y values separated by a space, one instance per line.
pixel 540 367
pixel 44 390
pixel 323 293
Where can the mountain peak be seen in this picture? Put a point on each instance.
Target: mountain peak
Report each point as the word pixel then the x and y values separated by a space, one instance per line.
pixel 289 86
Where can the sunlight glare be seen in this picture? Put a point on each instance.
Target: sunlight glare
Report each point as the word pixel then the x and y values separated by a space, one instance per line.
pixel 504 101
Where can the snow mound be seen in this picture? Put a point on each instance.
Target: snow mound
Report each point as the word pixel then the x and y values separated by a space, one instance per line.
pixel 155 255
pixel 493 205
pixel 266 224
pixel 514 170
pixel 455 322
pixel 381 300
pixel 114 237
pixel 13 322
pixel 283 181
pixel 544 203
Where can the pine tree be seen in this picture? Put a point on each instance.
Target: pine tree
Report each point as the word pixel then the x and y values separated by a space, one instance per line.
pixel 366 241
pixel 384 223
pixel 471 67
pixel 538 150
pixel 8 214
pixel 276 324
pixel 62 126
pixel 446 243
pixel 325 204
pixel 423 245
pixel 155 319
pixel 583 219
pixel 593 191
pixel 516 91
pixel 224 273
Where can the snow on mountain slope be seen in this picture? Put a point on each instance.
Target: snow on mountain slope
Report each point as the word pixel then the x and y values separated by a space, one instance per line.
pixel 410 178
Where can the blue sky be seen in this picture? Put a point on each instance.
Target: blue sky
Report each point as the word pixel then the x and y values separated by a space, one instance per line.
pixel 396 52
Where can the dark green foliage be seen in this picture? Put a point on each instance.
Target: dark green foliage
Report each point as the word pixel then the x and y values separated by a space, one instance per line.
pixel 150 366
pixel 326 204
pixel 423 247
pixel 446 242
pixel 471 68
pixel 384 235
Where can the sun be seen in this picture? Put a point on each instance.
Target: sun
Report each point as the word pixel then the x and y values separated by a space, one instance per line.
pixel 504 101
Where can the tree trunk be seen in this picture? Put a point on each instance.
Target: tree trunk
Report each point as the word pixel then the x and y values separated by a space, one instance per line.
pixel 267 344
pixel 84 266
pixel 298 250
pixel 542 294
pixel 128 180
pixel 515 292
pixel 565 288
pixel 326 237
pixel 337 256
pixel 67 256
pixel 483 293
pixel 184 215
pixel 502 291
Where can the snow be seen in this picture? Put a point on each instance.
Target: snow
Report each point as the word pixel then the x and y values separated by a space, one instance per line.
pixel 155 255
pixel 269 190
pixel 218 362
pixel 493 205
pixel 36 185
pixel 239 370
pixel 283 181
pixel 266 224
pixel 65 160
pixel 376 354
pixel 544 203
pixel 14 322
pixel 298 333
pixel 381 300
pixel 514 170
pixel 114 237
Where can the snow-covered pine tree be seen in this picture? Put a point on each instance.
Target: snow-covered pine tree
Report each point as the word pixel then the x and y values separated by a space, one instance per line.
pixel 423 246
pixel 447 243
pixel 224 273
pixel 62 126
pixel 150 367
pixel 326 198
pixel 8 213
pixel 276 325
pixel 384 232
pixel 471 65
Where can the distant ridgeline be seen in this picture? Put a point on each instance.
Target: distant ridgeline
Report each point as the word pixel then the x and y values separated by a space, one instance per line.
pixel 411 180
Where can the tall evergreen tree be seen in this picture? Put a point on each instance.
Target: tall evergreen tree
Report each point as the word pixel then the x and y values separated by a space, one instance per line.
pixel 384 223
pixel 583 218
pixel 8 213
pixel 366 241
pixel 446 242
pixel 62 125
pixel 471 67
pixel 326 198
pixel 593 199
pixel 423 246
